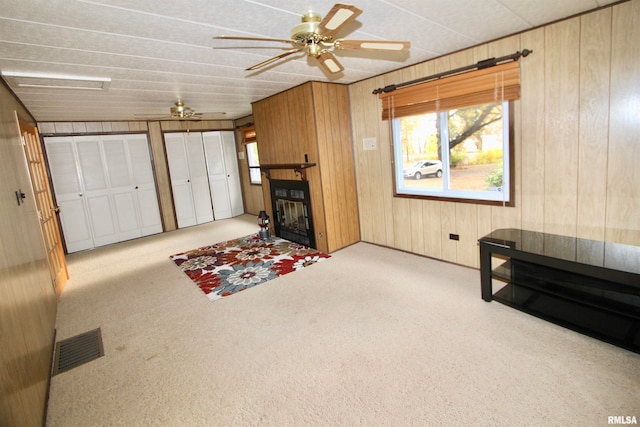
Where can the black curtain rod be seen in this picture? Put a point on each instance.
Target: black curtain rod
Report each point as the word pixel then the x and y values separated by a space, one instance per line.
pixel 486 63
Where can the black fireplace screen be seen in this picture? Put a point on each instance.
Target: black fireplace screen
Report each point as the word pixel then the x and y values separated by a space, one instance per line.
pixel 292 211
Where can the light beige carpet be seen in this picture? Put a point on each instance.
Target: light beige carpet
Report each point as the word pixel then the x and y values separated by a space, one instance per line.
pixel 371 337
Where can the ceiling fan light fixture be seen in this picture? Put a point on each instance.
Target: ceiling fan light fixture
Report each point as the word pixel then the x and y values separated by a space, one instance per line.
pixel 181 111
pixel 303 32
pixel 314 49
pixel 315 36
pixel 311 17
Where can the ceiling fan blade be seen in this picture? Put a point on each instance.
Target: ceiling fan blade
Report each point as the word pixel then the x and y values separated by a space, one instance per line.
pixel 216 115
pixel 259 39
pixel 390 45
pixel 151 117
pixel 274 59
pixel 339 16
pixel 329 62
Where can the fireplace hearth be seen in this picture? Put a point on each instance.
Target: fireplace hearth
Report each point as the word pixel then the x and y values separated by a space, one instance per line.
pixel 291 203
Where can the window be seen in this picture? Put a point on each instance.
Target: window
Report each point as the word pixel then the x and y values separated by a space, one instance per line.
pixel 470 166
pixel 251 146
pixel 452 136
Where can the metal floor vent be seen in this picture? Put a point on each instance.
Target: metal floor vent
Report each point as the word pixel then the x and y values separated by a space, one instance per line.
pixel 77 350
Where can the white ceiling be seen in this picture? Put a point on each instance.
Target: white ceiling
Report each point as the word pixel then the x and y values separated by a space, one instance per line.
pixel 159 51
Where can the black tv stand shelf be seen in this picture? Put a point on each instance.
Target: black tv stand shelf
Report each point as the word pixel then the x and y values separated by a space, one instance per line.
pixel 589 286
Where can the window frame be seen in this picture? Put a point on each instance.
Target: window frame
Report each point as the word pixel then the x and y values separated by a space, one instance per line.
pixel 248 139
pixel 251 167
pixel 509 156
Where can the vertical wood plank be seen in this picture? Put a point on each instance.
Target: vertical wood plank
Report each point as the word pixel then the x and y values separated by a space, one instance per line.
pixel 531 170
pixel 595 51
pixel 448 224
pixel 401 221
pixel 416 227
pixel 561 126
pixel 432 218
pixel 384 185
pixel 163 181
pixel 623 183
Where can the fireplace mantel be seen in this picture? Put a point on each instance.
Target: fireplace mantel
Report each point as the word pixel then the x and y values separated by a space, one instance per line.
pixel 297 168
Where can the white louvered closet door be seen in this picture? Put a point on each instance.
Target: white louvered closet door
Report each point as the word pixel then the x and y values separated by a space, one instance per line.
pixel 97 195
pixel 199 179
pixel 217 175
pixel 144 185
pixel 132 185
pixel 122 187
pixel 105 188
pixel 65 177
pixel 224 179
pixel 233 173
pixel 187 168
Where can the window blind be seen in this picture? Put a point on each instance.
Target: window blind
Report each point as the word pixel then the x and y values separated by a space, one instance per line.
pixel 484 86
pixel 249 136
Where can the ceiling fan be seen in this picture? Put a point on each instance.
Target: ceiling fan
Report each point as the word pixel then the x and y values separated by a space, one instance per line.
pixel 315 36
pixel 179 111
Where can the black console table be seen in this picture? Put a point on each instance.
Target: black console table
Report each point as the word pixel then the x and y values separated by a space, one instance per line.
pixel 590 286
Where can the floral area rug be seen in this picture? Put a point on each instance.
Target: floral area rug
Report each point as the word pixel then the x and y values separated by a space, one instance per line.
pixel 232 266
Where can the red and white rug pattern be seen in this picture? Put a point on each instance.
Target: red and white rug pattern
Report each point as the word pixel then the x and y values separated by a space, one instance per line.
pixel 232 266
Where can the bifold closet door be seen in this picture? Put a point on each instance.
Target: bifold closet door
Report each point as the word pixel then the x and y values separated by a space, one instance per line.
pixel 189 182
pixel 104 187
pixel 65 175
pixel 233 173
pixel 132 185
pixel 96 192
pixel 224 178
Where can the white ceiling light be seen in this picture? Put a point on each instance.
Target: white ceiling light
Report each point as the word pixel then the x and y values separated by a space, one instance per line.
pixel 53 81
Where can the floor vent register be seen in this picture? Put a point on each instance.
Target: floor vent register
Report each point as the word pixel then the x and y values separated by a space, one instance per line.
pixel 78 350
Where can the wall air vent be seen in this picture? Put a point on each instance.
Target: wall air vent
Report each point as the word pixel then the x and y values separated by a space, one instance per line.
pixel 21 80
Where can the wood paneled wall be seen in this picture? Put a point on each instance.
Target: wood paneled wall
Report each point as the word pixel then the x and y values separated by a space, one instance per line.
pixel 251 193
pixel 28 312
pixel 337 170
pixel 576 143
pixel 311 121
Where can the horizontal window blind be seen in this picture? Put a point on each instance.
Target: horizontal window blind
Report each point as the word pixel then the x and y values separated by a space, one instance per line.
pixel 484 86
pixel 249 136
